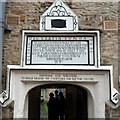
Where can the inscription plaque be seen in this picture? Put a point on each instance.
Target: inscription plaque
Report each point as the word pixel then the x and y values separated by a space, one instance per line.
pixel 58 76
pixel 60 50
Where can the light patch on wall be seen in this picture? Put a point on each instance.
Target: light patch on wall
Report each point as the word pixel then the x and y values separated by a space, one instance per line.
pixel 110 25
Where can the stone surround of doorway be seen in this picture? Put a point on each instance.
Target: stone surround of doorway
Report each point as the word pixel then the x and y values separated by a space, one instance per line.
pixel 94 81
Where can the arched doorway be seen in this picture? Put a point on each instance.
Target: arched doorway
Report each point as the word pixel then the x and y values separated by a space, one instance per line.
pixel 76 101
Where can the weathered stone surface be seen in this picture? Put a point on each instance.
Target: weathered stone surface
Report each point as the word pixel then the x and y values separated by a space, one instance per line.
pixel 8 111
pixel 91 15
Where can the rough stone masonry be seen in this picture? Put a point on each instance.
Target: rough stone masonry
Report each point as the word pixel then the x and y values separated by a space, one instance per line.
pixel 103 16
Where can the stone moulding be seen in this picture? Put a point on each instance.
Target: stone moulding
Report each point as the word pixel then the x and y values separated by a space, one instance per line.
pixel 89 38
pixel 7 96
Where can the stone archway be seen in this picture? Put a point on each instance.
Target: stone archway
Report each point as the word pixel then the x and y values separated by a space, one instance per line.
pixel 95 83
pixel 76 99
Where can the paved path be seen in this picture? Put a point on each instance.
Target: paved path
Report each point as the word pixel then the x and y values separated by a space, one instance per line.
pixel 43 113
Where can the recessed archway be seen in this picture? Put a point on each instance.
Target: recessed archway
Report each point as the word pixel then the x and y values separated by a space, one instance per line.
pixel 76 101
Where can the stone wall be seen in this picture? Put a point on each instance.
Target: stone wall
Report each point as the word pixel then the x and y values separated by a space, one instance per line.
pixel 102 16
pixel 119 39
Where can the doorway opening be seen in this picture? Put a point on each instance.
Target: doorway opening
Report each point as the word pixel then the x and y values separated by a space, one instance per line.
pixel 76 97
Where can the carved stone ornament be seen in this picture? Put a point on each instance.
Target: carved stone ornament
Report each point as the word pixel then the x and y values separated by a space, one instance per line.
pixel 58 17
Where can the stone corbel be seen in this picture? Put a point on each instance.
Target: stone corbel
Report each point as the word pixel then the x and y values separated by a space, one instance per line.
pixel 5 95
pixel 3 98
pixel 115 97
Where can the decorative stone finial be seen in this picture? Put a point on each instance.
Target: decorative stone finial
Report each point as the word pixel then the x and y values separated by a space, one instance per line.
pixel 59 13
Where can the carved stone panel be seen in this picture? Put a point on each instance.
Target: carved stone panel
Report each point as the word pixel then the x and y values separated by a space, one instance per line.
pixel 60 50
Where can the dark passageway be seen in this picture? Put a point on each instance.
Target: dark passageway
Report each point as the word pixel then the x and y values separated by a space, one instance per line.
pixel 76 101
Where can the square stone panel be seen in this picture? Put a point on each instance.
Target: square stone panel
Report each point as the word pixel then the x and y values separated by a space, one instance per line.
pixel 110 25
pixel 12 20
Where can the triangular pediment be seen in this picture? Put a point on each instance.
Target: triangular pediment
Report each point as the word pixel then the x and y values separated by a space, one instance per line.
pixel 59 17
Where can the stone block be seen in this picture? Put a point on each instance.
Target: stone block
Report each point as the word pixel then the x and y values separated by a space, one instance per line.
pixel 12 20
pixel 17 12
pixel 22 18
pixel 110 25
